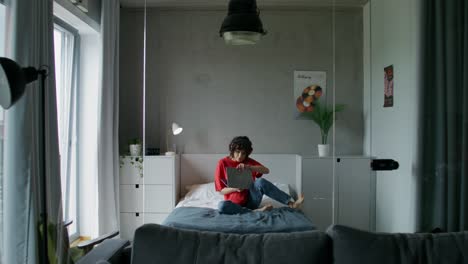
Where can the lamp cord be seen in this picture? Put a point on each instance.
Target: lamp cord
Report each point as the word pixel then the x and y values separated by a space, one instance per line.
pixel 167 139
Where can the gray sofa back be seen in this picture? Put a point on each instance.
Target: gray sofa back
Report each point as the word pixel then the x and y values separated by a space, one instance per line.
pixel 355 246
pixel 340 244
pixel 160 244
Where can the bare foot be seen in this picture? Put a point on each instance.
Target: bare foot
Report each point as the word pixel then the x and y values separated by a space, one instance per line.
pixel 298 202
pixel 265 208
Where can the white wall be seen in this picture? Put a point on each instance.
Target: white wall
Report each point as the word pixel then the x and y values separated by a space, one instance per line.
pixel 394 40
pixel 88 88
pixel 216 91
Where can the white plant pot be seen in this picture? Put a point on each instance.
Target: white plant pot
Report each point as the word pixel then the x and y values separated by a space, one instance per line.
pixel 135 149
pixel 323 150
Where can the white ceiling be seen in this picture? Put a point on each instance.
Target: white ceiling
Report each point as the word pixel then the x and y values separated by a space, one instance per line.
pixel 224 3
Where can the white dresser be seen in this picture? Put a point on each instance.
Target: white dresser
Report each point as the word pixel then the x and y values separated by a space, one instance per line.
pixel 354 191
pixel 149 190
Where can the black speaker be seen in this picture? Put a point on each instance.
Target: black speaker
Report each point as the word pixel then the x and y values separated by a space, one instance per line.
pixel 384 164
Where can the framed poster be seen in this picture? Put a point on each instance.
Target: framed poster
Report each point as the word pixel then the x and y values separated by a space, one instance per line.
pixel 309 86
pixel 388 86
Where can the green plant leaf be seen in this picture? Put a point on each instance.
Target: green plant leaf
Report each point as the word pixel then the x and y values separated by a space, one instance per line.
pixel 322 115
pixel 134 141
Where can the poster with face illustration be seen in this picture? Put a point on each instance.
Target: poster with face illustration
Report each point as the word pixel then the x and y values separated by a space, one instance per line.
pixel 309 87
pixel 388 86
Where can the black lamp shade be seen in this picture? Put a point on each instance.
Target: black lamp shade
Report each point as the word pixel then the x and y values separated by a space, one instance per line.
pixel 13 80
pixel 243 15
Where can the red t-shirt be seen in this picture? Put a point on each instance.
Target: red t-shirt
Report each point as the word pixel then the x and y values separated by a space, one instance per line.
pixel 221 179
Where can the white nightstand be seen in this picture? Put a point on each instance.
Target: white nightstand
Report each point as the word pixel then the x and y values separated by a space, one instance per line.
pixel 149 190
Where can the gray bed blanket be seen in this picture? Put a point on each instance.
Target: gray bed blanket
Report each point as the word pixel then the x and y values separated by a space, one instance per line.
pixel 277 220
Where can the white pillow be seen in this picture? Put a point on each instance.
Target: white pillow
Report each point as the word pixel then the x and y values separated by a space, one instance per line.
pixel 201 195
pixel 205 195
pixel 203 191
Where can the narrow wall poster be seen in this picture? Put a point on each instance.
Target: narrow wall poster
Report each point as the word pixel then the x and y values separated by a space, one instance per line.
pixel 388 86
pixel 309 86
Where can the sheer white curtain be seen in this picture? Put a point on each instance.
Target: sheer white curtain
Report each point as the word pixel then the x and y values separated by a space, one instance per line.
pixel 30 43
pixel 108 148
pixel 66 58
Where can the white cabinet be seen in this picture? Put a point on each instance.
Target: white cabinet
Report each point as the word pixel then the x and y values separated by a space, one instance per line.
pixel 149 191
pixel 349 197
pixel 317 187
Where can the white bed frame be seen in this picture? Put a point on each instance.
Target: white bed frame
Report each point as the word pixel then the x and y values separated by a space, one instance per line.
pixel 284 168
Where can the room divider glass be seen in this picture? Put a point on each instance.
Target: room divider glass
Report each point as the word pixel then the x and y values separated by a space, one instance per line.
pixel 378 80
pixel 180 70
pixel 312 83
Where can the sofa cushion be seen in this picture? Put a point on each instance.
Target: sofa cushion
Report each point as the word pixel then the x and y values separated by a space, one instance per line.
pixel 160 244
pixel 355 246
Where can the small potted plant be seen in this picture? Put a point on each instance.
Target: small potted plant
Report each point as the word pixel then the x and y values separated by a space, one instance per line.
pixel 322 115
pixel 135 147
pixel 135 161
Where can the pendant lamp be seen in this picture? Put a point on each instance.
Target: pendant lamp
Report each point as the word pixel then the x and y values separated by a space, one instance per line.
pixel 242 25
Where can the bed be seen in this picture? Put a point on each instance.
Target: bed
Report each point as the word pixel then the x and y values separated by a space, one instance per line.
pixel 197 210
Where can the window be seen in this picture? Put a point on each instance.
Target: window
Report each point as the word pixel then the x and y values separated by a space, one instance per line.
pixel 66 65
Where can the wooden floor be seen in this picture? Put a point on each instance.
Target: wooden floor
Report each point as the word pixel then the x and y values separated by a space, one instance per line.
pixel 79 240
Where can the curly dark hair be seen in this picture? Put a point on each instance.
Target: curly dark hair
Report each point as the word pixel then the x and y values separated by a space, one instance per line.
pixel 240 143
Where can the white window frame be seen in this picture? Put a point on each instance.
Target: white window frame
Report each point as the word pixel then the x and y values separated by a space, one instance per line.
pixel 71 192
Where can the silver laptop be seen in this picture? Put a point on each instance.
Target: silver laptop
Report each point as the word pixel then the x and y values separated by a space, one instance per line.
pixel 241 179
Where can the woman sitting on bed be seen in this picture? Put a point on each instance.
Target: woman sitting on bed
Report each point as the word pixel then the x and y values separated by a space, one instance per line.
pixel 241 201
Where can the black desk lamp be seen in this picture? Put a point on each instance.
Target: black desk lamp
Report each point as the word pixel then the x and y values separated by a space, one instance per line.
pixel 13 81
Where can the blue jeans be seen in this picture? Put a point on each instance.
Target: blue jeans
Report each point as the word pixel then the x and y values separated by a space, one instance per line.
pixel 256 192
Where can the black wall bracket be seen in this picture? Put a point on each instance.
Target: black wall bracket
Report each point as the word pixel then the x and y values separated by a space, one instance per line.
pixel 384 164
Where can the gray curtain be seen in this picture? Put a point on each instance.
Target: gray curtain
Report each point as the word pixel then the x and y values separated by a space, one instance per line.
pixel 108 120
pixel 444 185
pixel 30 43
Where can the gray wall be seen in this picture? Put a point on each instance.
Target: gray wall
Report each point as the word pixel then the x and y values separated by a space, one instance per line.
pixel 395 40
pixel 217 92
pixel 131 78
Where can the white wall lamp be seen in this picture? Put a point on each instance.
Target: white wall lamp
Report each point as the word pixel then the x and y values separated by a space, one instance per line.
pixel 242 25
pixel 176 129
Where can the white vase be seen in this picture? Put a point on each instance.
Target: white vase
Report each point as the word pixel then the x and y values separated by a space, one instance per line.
pixel 135 149
pixel 323 150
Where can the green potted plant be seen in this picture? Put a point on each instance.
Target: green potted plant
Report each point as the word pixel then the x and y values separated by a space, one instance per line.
pixel 134 161
pixel 135 147
pixel 322 115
